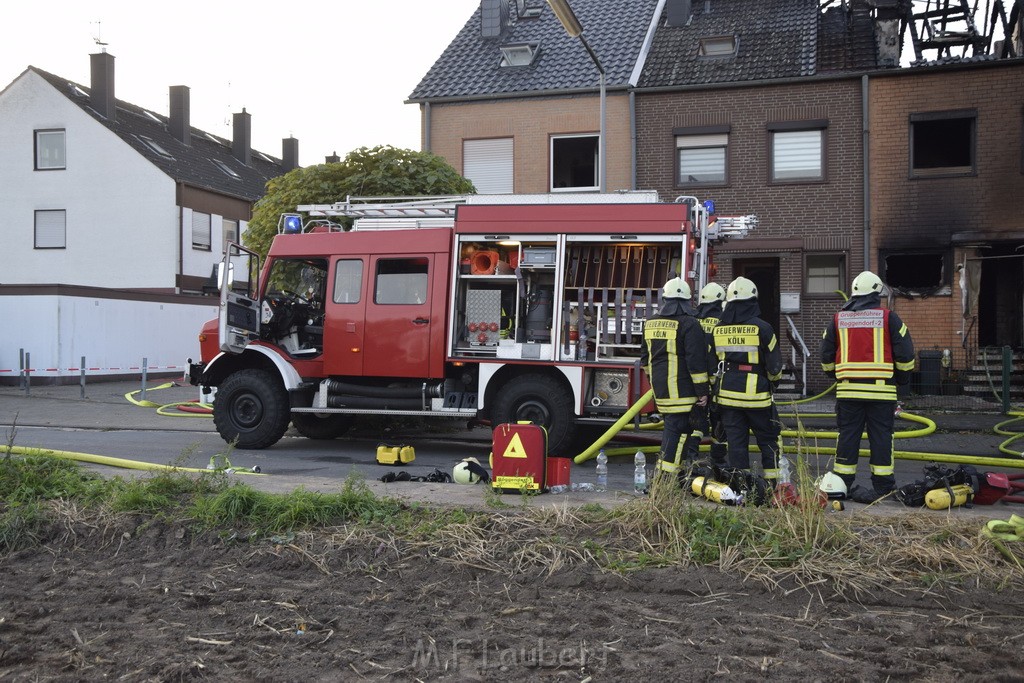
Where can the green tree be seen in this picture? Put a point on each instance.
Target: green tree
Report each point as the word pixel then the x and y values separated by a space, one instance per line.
pixel 382 171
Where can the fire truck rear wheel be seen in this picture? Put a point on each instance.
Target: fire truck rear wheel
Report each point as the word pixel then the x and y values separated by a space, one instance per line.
pixel 322 427
pixel 252 407
pixel 542 400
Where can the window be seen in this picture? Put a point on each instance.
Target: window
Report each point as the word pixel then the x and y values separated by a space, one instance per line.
pixel 488 165
pixel 154 147
pixel 201 231
pixel 942 144
pixel 50 150
pixel 826 273
pixel 225 169
pixel 923 272
pixel 574 163
pixel 702 158
pixel 51 229
pixel 718 46
pixel 348 281
pixel 401 281
pixel 229 231
pixel 797 151
pixel 522 54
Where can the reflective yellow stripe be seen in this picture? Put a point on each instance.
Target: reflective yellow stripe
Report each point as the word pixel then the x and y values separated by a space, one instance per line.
pixel 666 466
pixel 739 399
pixel 870 391
pixel 840 468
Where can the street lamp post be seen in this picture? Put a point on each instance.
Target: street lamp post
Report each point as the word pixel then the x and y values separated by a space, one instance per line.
pixel 573 27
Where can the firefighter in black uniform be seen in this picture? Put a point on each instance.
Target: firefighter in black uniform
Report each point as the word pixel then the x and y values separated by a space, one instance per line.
pixel 674 355
pixel 709 312
pixel 867 349
pixel 751 365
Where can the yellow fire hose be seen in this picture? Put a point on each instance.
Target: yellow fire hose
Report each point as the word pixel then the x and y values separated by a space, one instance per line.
pixel 127 464
pixel 928 428
pixel 167 409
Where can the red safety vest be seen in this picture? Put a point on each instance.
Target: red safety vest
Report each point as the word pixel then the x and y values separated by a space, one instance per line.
pixel 864 350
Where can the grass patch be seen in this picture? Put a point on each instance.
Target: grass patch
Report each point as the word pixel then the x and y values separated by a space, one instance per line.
pixel 802 545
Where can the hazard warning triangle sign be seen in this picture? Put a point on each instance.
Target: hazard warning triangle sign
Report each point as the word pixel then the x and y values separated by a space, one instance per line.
pixel 515 448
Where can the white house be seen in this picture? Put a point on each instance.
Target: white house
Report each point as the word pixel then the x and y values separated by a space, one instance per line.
pixel 112 218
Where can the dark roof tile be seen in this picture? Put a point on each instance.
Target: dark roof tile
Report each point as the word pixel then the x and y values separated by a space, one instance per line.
pixel 777 39
pixel 194 164
pixel 470 66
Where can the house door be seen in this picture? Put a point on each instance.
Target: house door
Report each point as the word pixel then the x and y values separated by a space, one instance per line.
pixel 1001 299
pixel 764 273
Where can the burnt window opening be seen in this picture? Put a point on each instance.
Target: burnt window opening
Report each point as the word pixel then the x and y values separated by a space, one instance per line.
pixel 917 273
pixel 574 163
pixel 942 144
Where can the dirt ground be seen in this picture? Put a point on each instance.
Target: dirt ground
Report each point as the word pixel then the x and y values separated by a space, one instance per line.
pixel 142 601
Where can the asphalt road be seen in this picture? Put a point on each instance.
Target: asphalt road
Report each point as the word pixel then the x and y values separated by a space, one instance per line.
pixel 105 422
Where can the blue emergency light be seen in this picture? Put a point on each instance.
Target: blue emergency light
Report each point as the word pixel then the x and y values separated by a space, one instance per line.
pixel 709 204
pixel 292 223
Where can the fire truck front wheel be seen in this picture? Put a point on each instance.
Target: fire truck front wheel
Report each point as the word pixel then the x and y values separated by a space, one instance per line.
pixel 252 407
pixel 542 400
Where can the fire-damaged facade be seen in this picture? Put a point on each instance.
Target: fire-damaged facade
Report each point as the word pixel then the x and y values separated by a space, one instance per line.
pixel 799 112
pixel 946 191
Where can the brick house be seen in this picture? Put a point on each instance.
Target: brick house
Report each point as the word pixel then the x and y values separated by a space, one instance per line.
pixel 513 103
pixel 946 191
pixel 757 106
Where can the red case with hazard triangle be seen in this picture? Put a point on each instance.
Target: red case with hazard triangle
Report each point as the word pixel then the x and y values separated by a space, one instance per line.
pixel 519 458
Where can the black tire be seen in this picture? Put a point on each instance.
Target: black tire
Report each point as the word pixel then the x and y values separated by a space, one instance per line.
pixel 542 400
pixel 252 407
pixel 321 426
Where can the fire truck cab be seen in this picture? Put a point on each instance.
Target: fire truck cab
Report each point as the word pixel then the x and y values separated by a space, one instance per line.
pixel 503 308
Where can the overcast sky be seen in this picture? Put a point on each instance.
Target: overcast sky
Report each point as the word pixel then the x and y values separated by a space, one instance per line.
pixel 333 74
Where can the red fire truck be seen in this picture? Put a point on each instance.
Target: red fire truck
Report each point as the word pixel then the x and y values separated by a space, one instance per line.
pixel 502 308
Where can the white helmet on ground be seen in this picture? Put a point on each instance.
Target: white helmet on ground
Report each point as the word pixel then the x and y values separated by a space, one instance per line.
pixel 676 288
pixel 467 471
pixel 712 292
pixel 866 283
pixel 833 485
pixel 740 289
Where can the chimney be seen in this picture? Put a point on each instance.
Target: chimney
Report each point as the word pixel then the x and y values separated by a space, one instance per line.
pixel 289 154
pixel 332 159
pixel 179 124
pixel 887 36
pixel 678 12
pixel 493 18
pixel 241 136
pixel 101 95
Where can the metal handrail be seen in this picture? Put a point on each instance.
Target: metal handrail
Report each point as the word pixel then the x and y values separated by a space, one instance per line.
pixel 795 339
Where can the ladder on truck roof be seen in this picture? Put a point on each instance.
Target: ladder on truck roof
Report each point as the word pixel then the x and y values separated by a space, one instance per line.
pixel 384 213
pixel 445 205
pixel 388 207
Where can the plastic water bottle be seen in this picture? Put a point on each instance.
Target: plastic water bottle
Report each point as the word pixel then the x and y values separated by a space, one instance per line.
pixel 601 471
pixel 639 472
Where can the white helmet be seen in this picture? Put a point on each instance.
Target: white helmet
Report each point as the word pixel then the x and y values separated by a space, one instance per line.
pixel 866 283
pixel 833 485
pixel 712 292
pixel 676 288
pixel 463 472
pixel 741 288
